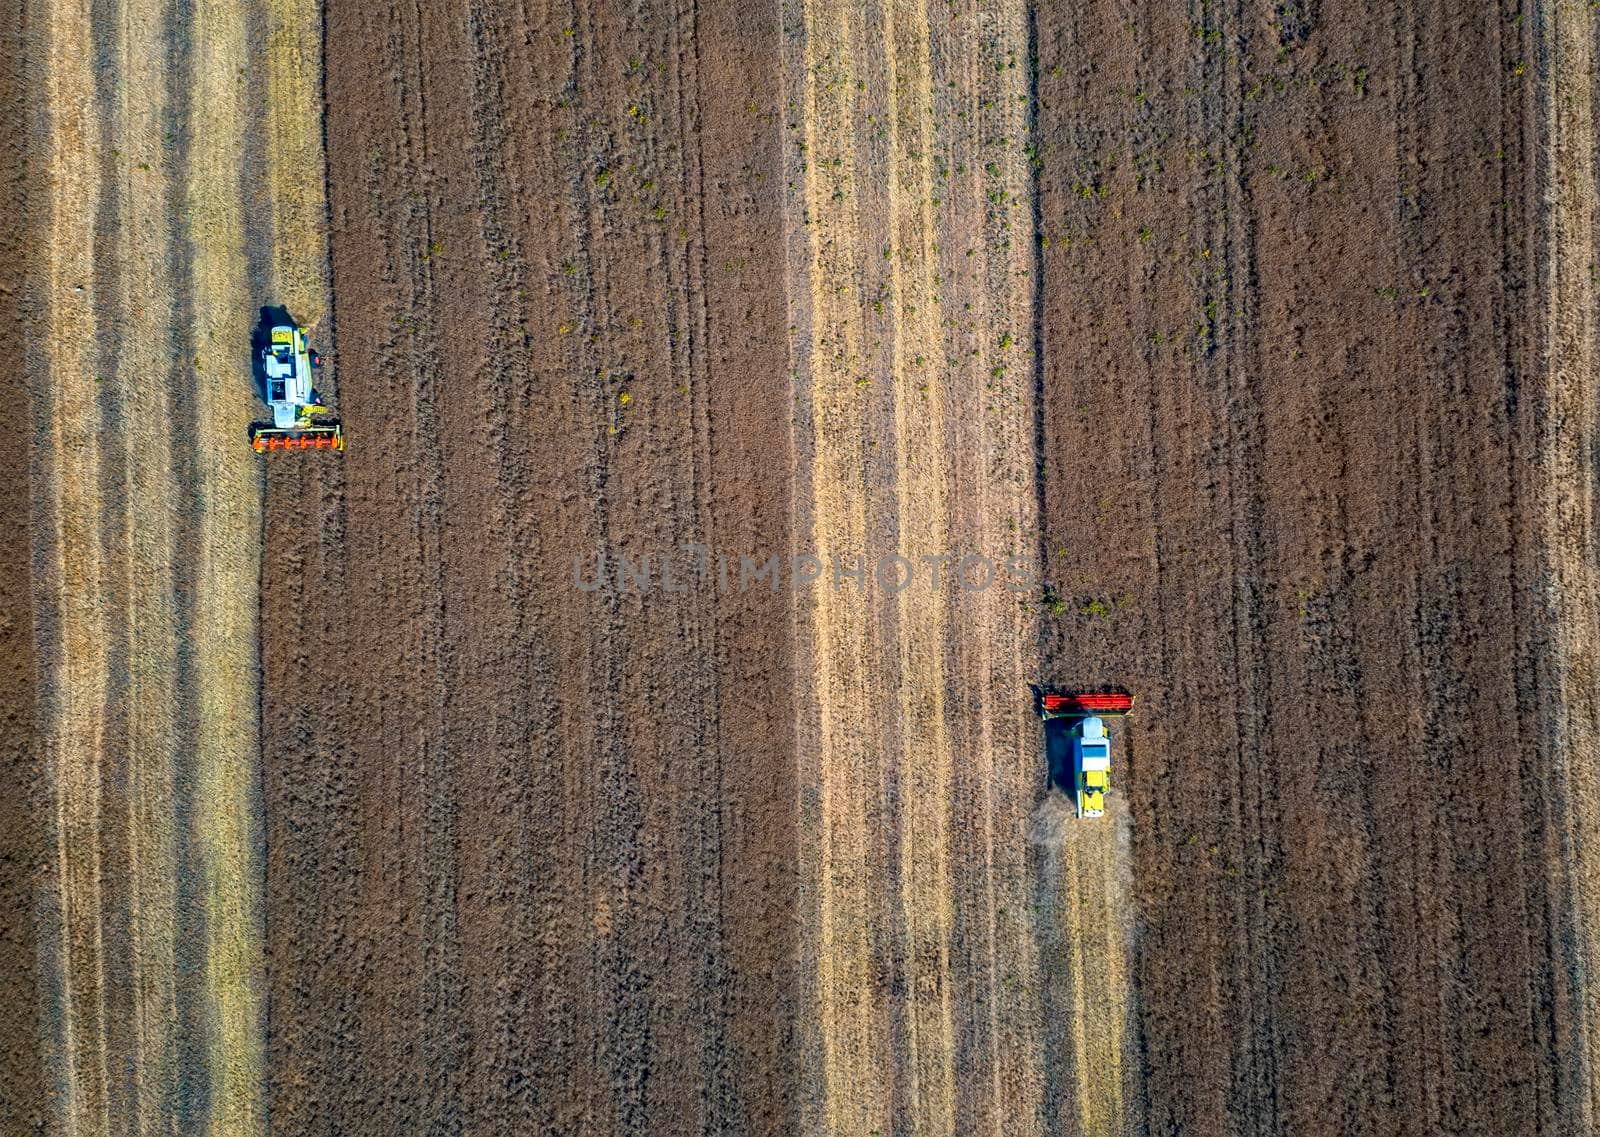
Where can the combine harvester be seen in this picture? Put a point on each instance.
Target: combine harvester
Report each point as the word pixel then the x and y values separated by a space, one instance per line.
pixel 286 364
pixel 1083 714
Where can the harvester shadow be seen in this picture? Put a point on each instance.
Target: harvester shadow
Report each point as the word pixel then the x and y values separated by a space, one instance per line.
pixel 1057 745
pixel 1058 753
pixel 272 316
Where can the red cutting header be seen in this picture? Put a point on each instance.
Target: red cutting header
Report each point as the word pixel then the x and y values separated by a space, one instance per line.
pixel 1091 703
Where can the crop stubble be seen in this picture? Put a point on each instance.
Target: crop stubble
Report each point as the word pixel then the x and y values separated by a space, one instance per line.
pixel 1570 532
pixel 142 886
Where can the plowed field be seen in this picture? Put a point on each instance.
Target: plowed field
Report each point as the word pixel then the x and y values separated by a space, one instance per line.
pixel 529 847
pixel 631 732
pixel 1314 285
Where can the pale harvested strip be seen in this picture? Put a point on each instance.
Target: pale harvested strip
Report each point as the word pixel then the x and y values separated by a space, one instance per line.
pixel 226 518
pixel 964 87
pixel 1569 515
pixel 71 651
pixel 855 1079
pixel 811 996
pixel 924 531
pixel 1085 879
pixel 993 460
pixel 295 161
pixel 1096 891
pixel 1064 866
pixel 113 474
pixel 920 312
pixel 1015 742
pixel 144 487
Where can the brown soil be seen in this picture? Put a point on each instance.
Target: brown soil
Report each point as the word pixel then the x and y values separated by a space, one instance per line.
pixel 23 842
pixel 535 854
pixel 530 848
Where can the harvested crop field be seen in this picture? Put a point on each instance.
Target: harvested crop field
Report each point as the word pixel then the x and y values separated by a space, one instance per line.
pixel 631 732
pixel 151 221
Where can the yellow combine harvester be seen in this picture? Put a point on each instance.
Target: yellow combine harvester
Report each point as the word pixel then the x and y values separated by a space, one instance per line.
pixel 1080 745
pixel 286 365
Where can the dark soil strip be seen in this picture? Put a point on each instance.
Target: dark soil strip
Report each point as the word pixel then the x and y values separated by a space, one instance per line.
pixel 24 804
pixel 530 847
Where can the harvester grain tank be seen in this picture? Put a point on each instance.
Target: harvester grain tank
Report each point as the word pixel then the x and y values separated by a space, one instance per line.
pixel 297 414
pixel 1091 765
pixel 1082 715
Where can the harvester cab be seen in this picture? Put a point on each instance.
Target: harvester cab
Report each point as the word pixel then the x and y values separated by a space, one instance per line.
pixel 1079 744
pixel 287 362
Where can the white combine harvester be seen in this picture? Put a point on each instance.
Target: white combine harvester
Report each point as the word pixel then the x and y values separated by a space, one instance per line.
pixel 286 364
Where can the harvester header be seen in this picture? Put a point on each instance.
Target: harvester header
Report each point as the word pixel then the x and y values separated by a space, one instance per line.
pixel 320 436
pixel 1079 704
